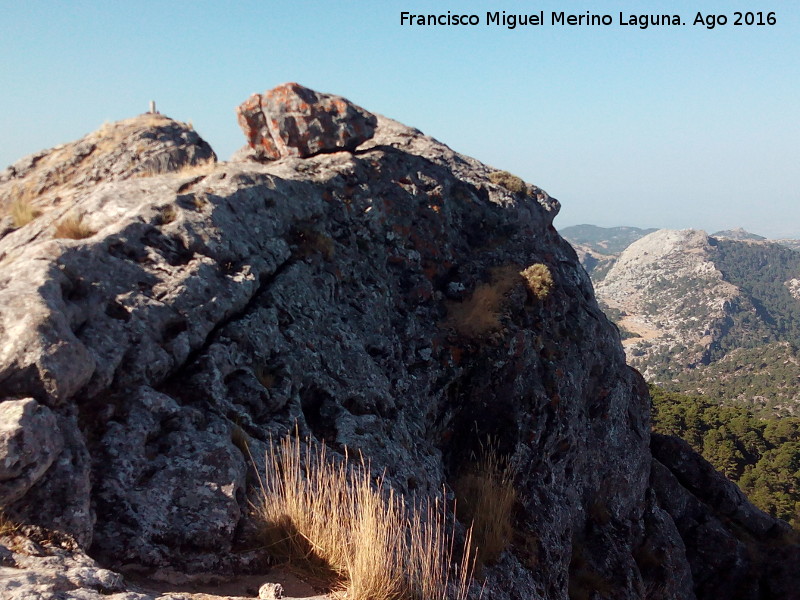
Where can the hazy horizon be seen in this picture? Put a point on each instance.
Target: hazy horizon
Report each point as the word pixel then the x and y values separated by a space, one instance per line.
pixel 560 227
pixel 670 126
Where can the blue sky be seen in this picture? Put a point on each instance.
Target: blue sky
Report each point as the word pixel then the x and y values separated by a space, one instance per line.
pixel 664 127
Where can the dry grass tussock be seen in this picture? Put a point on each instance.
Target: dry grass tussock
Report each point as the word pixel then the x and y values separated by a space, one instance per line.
pixel 7 526
pixel 203 167
pixel 486 498
pixel 22 211
pixel 479 315
pixel 73 227
pixel 332 521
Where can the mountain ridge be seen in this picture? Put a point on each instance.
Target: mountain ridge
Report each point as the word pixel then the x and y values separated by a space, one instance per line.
pixel 687 299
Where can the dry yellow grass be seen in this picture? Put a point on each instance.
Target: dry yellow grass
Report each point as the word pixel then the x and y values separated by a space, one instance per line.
pixel 486 498
pixel 333 521
pixel 432 555
pixel 7 526
pixel 167 214
pixel 479 315
pixel 73 227
pixel 22 212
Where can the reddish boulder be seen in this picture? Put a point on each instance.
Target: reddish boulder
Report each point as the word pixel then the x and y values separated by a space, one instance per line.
pixel 291 120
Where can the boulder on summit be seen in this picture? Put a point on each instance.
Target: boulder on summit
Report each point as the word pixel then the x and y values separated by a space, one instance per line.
pixel 292 120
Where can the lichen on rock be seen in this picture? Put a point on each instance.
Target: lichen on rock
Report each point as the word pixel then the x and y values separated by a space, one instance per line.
pixel 292 120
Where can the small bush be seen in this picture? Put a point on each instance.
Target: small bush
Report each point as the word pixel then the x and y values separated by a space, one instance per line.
pixel 73 228
pixel 333 521
pixel 539 280
pixel 486 498
pixel 511 182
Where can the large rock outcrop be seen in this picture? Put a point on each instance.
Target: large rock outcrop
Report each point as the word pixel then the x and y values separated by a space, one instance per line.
pixel 372 299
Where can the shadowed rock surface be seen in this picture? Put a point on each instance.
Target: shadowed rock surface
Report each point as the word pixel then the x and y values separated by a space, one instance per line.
pixel 338 292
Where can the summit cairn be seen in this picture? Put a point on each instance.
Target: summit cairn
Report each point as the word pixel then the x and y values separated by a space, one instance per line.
pixel 292 120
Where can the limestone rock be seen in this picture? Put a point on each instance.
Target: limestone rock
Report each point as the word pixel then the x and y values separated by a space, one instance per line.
pixel 212 310
pixel 45 565
pixel 40 355
pixel 60 499
pixel 142 146
pixel 184 490
pixel 291 120
pixel 29 443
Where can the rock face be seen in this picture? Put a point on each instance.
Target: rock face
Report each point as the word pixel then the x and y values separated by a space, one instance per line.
pixel 30 440
pixel 291 120
pixel 708 511
pixel 139 147
pixel 372 300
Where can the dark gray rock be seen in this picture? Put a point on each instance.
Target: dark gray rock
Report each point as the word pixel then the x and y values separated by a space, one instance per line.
pixel 733 549
pixel 30 441
pixel 61 498
pixel 171 478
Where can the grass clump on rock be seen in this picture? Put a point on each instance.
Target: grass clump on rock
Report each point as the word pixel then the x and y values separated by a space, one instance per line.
pixel 511 182
pixel 486 498
pixel 334 522
pixel 480 314
pixel 73 228
pixel 539 280
pixel 7 526
pixel 22 212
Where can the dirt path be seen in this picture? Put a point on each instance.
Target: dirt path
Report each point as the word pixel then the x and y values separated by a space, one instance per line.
pixel 244 587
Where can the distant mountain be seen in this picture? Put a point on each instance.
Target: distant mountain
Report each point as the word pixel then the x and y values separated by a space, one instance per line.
pixel 603 240
pixel 711 315
pixel 737 234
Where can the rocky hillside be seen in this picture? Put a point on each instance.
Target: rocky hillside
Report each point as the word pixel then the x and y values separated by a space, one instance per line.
pixel 719 316
pixel 738 234
pixel 164 317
